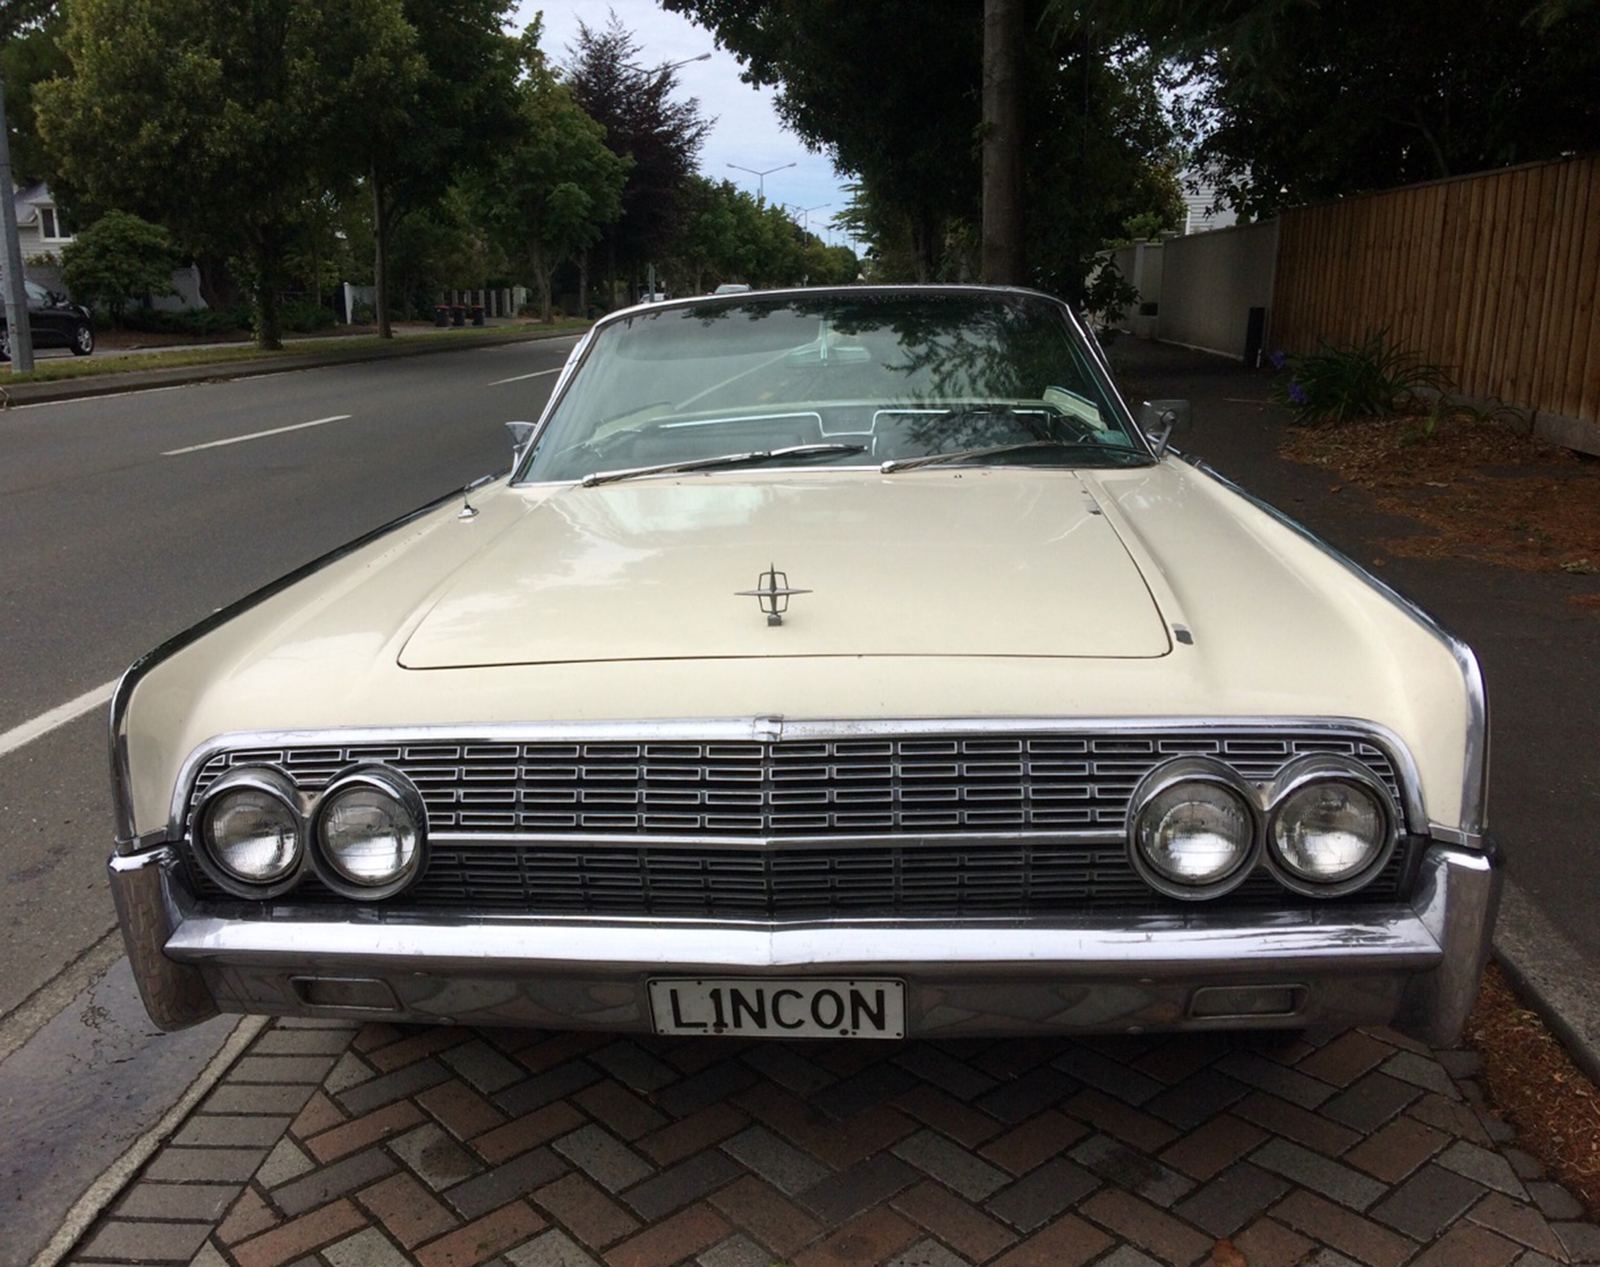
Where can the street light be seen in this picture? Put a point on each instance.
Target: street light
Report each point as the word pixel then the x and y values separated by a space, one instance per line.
pixel 669 67
pixel 761 177
pixel 805 214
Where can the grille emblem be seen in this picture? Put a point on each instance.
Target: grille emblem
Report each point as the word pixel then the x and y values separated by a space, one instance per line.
pixel 774 593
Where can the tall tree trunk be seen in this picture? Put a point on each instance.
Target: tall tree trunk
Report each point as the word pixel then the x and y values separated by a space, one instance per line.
pixel 269 317
pixel 380 258
pixel 583 285
pixel 1003 257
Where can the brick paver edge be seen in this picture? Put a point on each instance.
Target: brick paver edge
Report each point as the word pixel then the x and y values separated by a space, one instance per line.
pixel 109 1186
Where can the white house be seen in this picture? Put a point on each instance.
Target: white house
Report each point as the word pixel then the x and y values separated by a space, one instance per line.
pixel 40 229
pixel 1199 193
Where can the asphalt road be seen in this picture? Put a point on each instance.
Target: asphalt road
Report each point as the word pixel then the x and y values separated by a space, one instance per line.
pixel 125 519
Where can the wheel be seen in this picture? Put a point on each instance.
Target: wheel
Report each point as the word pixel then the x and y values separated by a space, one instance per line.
pixel 82 339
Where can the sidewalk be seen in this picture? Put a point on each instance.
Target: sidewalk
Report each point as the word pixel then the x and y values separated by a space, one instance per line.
pixel 332 1145
pixel 381 1146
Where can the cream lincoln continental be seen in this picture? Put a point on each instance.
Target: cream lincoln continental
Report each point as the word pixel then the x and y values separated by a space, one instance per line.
pixel 830 663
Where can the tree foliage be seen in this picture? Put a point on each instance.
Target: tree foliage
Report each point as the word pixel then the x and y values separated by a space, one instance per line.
pixel 1294 101
pixel 552 192
pixel 222 119
pixel 891 92
pixel 28 57
pixel 118 260
pixel 660 136
pixel 448 114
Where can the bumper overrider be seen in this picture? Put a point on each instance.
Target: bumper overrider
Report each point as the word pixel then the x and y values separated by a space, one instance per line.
pixel 1415 965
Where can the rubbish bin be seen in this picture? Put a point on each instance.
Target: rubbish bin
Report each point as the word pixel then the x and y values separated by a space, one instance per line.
pixel 441 314
pixel 458 316
pixel 477 314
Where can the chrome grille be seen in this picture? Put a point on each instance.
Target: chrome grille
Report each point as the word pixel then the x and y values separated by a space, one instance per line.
pixel 857 826
pixel 895 784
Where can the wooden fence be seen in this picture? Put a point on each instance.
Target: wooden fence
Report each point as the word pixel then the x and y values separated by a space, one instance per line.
pixel 1495 277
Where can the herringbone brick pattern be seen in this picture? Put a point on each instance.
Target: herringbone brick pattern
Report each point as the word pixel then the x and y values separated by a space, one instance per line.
pixel 328 1146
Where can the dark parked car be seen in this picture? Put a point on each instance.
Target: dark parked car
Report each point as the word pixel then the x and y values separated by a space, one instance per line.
pixel 55 322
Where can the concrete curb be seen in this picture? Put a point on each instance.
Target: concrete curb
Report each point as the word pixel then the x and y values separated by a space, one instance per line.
pixel 181 376
pixel 120 1173
pixel 1552 975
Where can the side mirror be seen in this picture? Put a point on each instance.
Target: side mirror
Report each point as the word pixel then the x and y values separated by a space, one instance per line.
pixel 1158 419
pixel 521 433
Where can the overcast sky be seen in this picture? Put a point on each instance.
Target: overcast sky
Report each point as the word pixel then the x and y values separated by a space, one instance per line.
pixel 746 131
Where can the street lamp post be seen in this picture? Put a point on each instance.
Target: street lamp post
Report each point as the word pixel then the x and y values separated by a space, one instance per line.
pixel 805 214
pixel 670 66
pixel 761 177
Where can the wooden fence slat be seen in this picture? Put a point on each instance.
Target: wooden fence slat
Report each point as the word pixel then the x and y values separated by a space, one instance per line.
pixel 1494 276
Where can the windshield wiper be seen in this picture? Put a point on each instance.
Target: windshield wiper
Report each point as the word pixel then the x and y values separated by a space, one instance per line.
pixel 965 455
pixel 724 459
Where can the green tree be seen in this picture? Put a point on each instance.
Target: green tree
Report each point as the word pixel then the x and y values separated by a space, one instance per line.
pixel 27 57
pixel 450 112
pixel 661 137
pixel 552 191
pixel 117 260
pixel 221 119
pixel 891 92
pixel 1295 101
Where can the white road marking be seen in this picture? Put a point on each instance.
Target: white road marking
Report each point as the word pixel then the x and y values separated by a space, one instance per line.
pixel 59 716
pixel 520 377
pixel 255 435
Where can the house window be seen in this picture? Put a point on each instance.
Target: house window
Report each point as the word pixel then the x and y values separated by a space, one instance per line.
pixel 48 225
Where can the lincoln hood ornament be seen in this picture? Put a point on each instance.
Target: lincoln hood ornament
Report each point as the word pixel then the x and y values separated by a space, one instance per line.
pixel 774 593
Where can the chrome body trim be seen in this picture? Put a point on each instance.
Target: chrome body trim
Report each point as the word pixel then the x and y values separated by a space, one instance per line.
pixel 1413 965
pixel 1475 770
pixel 775 729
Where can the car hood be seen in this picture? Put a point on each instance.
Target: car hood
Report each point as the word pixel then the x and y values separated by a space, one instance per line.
pixel 931 563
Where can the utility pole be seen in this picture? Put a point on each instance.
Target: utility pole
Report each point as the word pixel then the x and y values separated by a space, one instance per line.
pixel 17 328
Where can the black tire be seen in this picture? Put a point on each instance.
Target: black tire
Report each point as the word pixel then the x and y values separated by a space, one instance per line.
pixel 82 339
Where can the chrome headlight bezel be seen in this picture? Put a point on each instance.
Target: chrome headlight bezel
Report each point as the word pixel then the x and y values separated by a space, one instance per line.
pixel 268 781
pixel 1313 771
pixel 1202 772
pixel 396 787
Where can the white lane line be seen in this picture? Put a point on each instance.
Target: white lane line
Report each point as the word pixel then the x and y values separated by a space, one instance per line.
pixel 520 377
pixel 255 435
pixel 44 723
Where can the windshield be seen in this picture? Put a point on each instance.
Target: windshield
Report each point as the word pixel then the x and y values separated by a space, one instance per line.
pixel 864 378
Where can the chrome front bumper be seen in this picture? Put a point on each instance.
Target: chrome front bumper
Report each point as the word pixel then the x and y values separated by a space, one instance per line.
pixel 1415 967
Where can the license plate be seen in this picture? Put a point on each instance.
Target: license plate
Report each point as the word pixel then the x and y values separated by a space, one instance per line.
pixel 779 1008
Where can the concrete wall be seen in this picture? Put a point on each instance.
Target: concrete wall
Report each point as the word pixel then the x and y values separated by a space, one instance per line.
pixel 1210 281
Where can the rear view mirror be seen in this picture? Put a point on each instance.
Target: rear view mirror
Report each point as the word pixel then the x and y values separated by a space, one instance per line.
pixel 1158 419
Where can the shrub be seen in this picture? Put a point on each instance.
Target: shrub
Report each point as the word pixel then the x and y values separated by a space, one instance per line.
pixel 198 322
pixel 302 316
pixel 1365 379
pixel 118 260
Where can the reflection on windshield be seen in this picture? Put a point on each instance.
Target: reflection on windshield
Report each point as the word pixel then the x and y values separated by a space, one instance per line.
pixel 882 376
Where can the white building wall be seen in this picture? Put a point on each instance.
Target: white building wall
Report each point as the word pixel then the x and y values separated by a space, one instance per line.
pixel 1210 281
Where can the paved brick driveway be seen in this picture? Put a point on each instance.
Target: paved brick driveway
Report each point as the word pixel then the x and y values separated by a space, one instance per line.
pixel 447 1147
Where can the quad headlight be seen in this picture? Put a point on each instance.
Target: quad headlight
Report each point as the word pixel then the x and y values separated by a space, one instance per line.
pixel 1193 828
pixel 251 831
pixel 257 834
pixel 1332 827
pixel 1324 827
pixel 370 832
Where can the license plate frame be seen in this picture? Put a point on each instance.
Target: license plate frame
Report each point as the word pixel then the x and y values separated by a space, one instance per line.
pixel 779 1007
